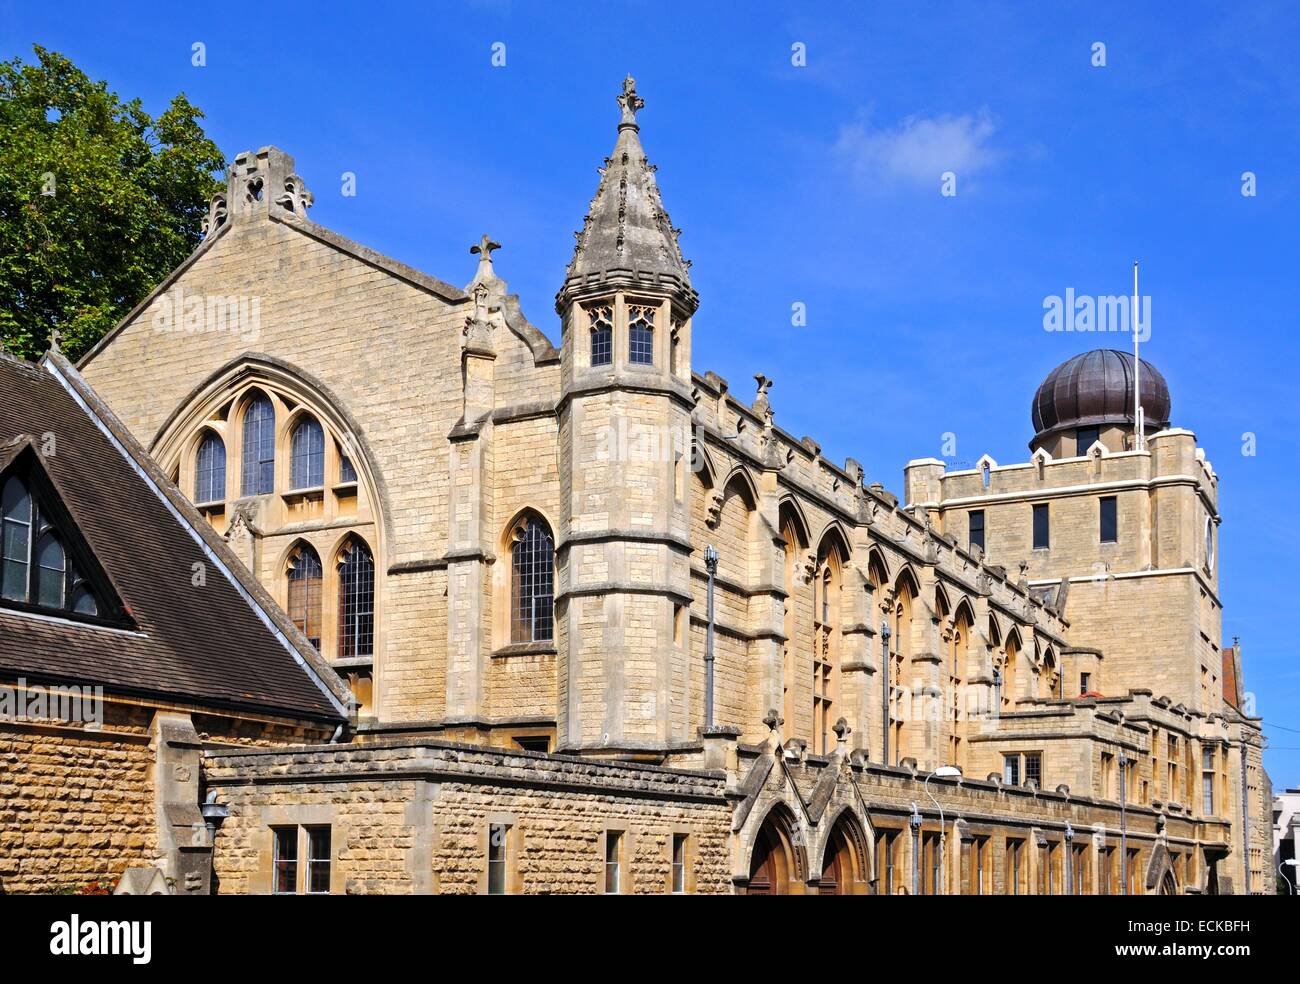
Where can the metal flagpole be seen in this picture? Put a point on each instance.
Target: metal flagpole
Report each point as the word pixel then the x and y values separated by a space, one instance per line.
pixel 1140 438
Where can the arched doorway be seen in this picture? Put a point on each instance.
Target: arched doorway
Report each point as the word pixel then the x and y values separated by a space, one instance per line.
pixel 837 867
pixel 1168 886
pixel 768 871
pixel 774 866
pixel 844 860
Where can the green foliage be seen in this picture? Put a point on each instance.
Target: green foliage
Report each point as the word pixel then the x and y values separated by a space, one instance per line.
pixel 98 201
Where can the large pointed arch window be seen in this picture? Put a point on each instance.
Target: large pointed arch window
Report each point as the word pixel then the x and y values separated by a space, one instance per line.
pixel 532 579
pixel 259 448
pixel 825 655
pixel 307 455
pixel 37 566
pixel 356 601
pixel 305 592
pixel 210 469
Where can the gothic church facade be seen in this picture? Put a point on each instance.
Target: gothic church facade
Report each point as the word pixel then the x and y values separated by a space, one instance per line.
pixel 608 627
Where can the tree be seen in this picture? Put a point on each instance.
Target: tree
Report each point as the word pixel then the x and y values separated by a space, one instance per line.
pixel 98 201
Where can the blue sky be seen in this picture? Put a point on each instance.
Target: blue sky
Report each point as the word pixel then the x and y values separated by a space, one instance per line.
pixel 819 184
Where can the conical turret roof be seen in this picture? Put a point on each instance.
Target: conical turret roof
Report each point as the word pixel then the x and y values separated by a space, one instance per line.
pixel 627 236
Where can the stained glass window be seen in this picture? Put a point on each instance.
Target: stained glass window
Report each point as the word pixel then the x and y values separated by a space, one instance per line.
pixel 305 592
pixel 210 470
pixel 532 569
pixel 259 448
pixel 307 455
pixel 356 601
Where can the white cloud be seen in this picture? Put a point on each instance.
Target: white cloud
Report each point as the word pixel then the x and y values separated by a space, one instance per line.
pixel 919 150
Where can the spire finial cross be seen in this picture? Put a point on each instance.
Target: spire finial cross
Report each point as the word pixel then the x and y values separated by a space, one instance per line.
pixel 484 248
pixel 629 102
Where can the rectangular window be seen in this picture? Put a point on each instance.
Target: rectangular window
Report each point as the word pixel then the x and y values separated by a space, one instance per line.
pixel 1207 780
pixel 1077 882
pixel 1046 872
pixel 1171 790
pixel 885 845
pixel 1085 682
pixel 931 874
pixel 318 860
pixel 979 851
pixel 1034 768
pixel 613 865
pixel 976 518
pixel 1012 874
pixel 679 864
pixel 1011 770
pixel 1042 540
pixel 1109 520
pixel 496 880
pixel 285 860
pixel 1084 438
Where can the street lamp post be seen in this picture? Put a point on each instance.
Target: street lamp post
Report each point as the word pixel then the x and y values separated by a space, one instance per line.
pixel 1289 883
pixel 943 772
pixel 710 565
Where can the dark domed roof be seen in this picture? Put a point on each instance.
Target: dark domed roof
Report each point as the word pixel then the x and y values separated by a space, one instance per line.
pixel 1097 388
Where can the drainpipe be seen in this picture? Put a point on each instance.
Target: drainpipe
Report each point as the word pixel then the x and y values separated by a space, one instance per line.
pixel 710 565
pixel 884 687
pixel 1245 820
pixel 1123 823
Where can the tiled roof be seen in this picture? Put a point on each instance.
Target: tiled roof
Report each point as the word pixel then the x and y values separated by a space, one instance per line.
pixel 1231 693
pixel 222 644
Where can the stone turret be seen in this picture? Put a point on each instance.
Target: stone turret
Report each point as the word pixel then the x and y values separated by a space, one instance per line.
pixel 623 558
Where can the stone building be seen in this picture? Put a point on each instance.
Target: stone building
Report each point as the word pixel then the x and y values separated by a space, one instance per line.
pixel 131 639
pixel 610 628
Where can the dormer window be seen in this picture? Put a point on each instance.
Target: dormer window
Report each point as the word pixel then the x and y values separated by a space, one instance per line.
pixel 641 334
pixel 38 565
pixel 18 518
